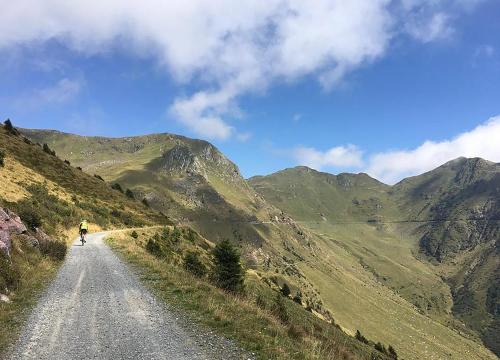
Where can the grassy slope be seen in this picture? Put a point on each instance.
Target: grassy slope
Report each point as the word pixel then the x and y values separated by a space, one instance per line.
pixel 61 195
pixel 326 269
pixel 238 317
pixel 374 256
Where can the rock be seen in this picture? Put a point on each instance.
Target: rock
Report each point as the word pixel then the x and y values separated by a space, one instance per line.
pixel 10 223
pixel 4 298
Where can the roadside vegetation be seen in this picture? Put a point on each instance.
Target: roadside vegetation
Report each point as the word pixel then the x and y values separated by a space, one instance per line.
pixel 51 198
pixel 209 282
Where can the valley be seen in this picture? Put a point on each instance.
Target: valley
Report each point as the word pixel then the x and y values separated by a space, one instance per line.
pixel 344 242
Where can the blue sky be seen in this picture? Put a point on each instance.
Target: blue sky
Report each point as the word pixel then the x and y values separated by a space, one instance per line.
pixel 392 88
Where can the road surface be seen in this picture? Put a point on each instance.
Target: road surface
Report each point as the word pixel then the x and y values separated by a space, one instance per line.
pixel 96 308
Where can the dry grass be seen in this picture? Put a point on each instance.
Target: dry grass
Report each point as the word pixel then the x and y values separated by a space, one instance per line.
pixel 239 317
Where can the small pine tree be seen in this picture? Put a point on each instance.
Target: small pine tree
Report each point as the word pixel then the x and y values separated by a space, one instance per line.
pixel 134 234
pixel 129 194
pixel 117 187
pixel 228 272
pixel 193 264
pixel 380 347
pixel 154 248
pixel 392 353
pixel 360 337
pixel 10 128
pixel 298 298
pixel 285 290
pixel 279 309
pixel 48 150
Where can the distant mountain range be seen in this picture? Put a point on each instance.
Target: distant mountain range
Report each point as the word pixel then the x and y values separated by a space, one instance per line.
pixel 415 264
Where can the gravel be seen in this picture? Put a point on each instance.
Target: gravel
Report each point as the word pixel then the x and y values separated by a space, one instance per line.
pixel 96 308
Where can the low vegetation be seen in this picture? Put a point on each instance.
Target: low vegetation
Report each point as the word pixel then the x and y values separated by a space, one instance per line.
pixel 260 318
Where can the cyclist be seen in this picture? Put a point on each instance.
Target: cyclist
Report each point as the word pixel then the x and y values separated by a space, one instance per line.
pixel 84 228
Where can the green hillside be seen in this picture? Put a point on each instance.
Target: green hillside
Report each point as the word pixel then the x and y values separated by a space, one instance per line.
pixel 325 236
pixel 441 226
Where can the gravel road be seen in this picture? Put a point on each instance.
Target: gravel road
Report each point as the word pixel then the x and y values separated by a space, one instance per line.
pixel 96 308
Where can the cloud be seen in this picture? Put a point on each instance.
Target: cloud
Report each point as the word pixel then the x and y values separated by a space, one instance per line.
pixel 224 49
pixel 349 156
pixel 61 92
pixel 437 27
pixel 482 141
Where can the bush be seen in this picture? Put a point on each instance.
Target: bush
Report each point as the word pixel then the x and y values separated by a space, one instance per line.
pixel 193 264
pixel 392 353
pixel 129 194
pixel 10 128
pixel 228 272
pixel 381 348
pixel 154 248
pixel 54 249
pixel 298 298
pixel 79 168
pixel 30 216
pixel 117 187
pixel 2 157
pixel 67 162
pixel 279 309
pixel 285 290
pixel 361 338
pixel 47 149
pixel 134 234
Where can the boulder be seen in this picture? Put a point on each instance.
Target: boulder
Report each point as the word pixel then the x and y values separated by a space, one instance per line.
pixel 10 223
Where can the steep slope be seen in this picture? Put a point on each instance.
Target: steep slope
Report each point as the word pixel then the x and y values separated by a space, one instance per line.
pixel 363 275
pixel 449 214
pixel 462 197
pixel 51 197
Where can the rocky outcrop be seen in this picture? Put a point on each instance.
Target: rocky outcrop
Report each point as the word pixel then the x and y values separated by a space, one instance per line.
pixel 10 223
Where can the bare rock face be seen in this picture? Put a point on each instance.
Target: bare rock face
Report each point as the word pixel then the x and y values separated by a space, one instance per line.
pixel 10 223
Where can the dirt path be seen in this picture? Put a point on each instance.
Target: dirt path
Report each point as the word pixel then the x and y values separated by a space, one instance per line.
pixel 96 308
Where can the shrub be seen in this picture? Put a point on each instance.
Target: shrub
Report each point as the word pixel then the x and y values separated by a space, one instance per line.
pixel 79 168
pixel 228 272
pixel 380 347
pixel 193 264
pixel 392 353
pixel 298 298
pixel 2 157
pixel 10 128
pixel 30 216
pixel 47 149
pixel 54 249
pixel 117 187
pixel 361 338
pixel 285 290
pixel 67 162
pixel 99 177
pixel 129 194
pixel 134 234
pixel 154 248
pixel 279 309
pixel 176 235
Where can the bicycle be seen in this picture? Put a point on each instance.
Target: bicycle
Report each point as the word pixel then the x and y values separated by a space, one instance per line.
pixel 82 237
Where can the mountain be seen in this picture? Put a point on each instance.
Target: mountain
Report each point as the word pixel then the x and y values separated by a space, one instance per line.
pixel 327 237
pixel 448 216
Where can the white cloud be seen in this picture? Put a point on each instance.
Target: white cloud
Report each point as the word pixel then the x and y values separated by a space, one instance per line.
pixel 483 141
pixel 348 156
pixel 228 48
pixel 431 29
pixel 61 92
